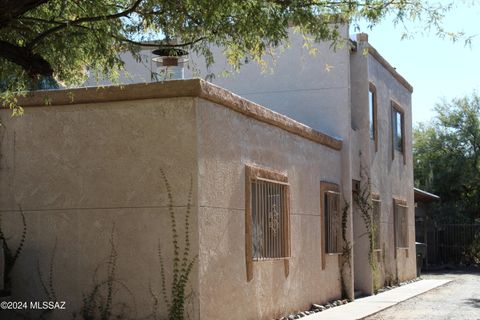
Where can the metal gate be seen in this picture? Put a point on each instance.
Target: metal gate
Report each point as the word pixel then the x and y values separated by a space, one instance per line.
pixel 451 243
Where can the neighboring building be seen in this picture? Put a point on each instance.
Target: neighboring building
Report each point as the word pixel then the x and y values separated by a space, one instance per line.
pixel 270 190
pixel 423 224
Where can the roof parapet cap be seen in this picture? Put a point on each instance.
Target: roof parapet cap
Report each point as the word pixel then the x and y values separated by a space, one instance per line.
pixel 362 37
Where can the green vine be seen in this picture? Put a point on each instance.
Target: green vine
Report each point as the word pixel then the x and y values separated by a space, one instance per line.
pixel 363 200
pixel 11 256
pixel 48 285
pixel 98 303
pixel 346 251
pixel 182 263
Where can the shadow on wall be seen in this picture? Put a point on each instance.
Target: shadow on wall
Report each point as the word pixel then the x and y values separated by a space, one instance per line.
pixel 108 297
pixel 472 302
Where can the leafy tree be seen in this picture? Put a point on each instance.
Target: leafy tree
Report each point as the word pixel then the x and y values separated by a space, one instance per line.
pixel 67 39
pixel 447 158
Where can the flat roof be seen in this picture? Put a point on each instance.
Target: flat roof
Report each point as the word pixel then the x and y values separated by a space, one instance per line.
pixel 172 89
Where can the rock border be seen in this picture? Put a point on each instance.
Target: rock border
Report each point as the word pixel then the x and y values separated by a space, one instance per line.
pixel 387 288
pixel 315 308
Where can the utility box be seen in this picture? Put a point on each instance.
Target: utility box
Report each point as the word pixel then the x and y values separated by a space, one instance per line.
pixel 421 249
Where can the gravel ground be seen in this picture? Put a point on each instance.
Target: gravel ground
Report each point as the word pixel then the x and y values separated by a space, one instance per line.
pixel 457 300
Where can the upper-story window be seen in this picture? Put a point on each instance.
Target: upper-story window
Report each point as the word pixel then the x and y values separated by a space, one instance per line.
pixel 398 129
pixel 372 111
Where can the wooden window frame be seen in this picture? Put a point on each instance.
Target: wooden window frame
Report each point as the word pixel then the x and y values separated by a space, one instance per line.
pixel 326 187
pixel 397 108
pixel 373 90
pixel 376 198
pixel 403 203
pixel 252 173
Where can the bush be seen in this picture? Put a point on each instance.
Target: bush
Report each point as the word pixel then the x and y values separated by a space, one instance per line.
pixel 474 251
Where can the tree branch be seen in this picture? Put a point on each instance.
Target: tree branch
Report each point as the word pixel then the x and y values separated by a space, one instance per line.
pixel 32 43
pixel 31 62
pixel 11 9
pixel 156 45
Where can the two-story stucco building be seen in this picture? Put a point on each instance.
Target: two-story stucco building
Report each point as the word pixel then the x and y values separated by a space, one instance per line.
pixel 275 187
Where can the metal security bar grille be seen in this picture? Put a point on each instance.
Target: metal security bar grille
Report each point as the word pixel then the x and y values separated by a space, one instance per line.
pixel 451 243
pixel 269 219
pixel 333 223
pixel 376 204
pixel 401 226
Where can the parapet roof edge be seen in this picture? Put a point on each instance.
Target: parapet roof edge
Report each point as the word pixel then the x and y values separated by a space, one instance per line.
pixel 389 67
pixel 177 88
pixel 377 56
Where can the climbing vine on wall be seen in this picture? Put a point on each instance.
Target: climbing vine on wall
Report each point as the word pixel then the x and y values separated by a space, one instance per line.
pixel 346 250
pixel 362 198
pixel 11 256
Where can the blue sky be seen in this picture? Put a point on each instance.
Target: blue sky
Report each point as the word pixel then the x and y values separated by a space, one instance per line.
pixel 437 69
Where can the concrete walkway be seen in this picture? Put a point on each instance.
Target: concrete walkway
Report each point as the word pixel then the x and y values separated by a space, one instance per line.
pixel 367 306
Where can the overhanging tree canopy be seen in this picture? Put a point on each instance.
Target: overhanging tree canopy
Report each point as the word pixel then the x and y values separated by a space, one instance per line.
pixel 62 38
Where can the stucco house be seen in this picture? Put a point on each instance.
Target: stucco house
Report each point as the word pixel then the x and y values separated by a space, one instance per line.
pixel 283 184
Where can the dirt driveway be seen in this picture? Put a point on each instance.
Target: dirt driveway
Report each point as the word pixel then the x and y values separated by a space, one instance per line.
pixel 457 300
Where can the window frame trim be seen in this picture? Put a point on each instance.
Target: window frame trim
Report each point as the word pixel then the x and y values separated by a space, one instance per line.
pixel 372 88
pixel 402 202
pixel 253 172
pixel 376 198
pixel 324 188
pixel 395 107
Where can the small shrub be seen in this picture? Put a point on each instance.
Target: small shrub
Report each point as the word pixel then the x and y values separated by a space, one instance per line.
pixel 473 253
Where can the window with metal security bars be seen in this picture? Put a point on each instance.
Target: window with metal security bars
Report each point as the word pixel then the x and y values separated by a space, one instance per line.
pixel 268 219
pixel 376 214
pixel 333 222
pixel 401 225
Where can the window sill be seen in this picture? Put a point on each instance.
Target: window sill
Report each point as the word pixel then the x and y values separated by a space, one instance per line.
pixel 271 259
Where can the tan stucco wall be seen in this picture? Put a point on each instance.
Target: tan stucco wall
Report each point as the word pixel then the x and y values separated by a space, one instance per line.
pixel 310 88
pixel 389 177
pixel 77 171
pixel 227 142
pixel 393 178
pixel 360 170
pixel 91 160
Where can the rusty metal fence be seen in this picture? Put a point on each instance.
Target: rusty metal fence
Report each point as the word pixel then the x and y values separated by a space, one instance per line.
pixel 451 243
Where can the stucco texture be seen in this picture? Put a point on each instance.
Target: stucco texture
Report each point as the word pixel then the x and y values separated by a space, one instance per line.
pixel 392 177
pixel 227 142
pixel 86 177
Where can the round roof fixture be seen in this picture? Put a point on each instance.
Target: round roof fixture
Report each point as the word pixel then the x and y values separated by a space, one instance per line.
pixel 170 63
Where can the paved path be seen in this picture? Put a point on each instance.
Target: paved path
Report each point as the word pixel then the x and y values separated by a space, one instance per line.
pixel 364 307
pixel 457 300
